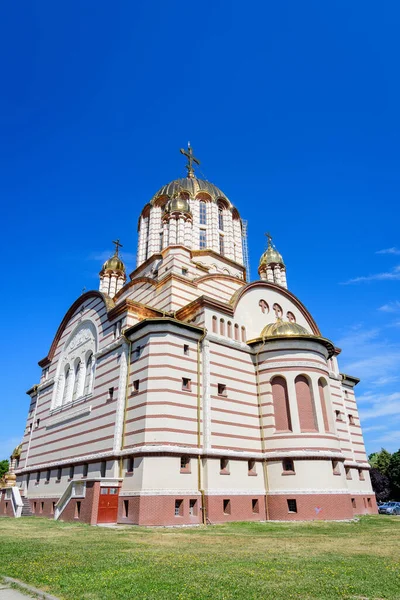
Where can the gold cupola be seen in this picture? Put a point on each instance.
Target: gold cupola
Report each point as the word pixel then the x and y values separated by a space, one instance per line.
pixel 271 267
pixel 281 328
pixel 178 204
pixel 112 274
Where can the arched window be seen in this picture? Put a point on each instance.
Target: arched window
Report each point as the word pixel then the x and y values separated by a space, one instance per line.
pixel 277 310
pixel 281 404
pixel 290 317
pixel 243 333
pixel 305 403
pixel 214 324
pixel 67 378
pixel 236 332
pixel 220 218
pixel 323 396
pixel 89 374
pixel 203 212
pixel 222 327
pixel 229 329
pixel 77 376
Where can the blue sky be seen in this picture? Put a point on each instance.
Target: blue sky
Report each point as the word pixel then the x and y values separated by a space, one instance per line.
pixel 292 108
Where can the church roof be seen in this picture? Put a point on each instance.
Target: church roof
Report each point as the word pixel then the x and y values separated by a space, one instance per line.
pixel 283 328
pixel 191 185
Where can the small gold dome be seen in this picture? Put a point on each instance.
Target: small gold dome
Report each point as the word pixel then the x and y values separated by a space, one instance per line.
pixel 271 257
pixel 283 328
pixel 178 204
pixel 114 264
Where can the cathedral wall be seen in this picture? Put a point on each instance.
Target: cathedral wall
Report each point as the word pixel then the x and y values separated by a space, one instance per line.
pixel 308 475
pixel 234 478
pixel 161 411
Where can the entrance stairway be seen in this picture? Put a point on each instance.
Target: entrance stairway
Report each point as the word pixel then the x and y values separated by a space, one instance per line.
pixel 26 509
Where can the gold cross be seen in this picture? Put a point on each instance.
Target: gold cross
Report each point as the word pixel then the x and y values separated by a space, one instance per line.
pixel 269 238
pixel 117 246
pixel 191 159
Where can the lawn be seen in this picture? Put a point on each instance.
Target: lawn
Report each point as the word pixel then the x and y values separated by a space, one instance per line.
pixel 354 560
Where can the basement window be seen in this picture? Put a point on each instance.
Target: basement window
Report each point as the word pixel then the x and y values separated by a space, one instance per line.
pixel 193 508
pixel 361 475
pixel 130 464
pixel 348 472
pixel 126 508
pixel 335 467
pixel 103 468
pixel 226 506
pixel 292 506
pixel 179 508
pixel 71 472
pixel 48 472
pixel 77 509
pixel 255 506
pixel 85 470
pixel 353 503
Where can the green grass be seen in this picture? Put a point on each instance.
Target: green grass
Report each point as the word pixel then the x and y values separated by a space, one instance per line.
pixel 355 560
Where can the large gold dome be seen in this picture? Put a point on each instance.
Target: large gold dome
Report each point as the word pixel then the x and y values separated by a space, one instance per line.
pixel 283 328
pixel 192 186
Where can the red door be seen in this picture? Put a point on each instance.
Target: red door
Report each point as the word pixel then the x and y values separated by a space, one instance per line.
pixel 108 505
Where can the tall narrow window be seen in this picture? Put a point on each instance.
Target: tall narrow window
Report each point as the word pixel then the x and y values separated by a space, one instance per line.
pixel 85 470
pixel 281 404
pixel 243 329
pixel 220 218
pixel 305 403
pixel 214 324
pixel 203 238
pixel 229 328
pixel 103 468
pixel 66 384
pixel 222 327
pixel 161 240
pixel 203 213
pixel 221 245
pixel 75 393
pixel 236 332
pixel 89 374
pixel 323 396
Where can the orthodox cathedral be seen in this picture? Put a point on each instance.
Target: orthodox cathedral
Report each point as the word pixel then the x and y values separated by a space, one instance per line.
pixel 187 394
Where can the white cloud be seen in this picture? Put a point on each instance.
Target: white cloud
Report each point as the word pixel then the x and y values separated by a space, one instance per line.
pixel 390 307
pixel 381 406
pixel 386 380
pixel 374 428
pixel 394 274
pixel 388 251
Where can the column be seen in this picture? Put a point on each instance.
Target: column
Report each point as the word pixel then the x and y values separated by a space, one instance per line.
pixel 113 285
pixel 120 409
pixel 317 404
pixel 165 234
pixel 283 277
pixel 181 230
pixel 277 274
pixel 270 274
pixel 188 233
pixel 206 395
pixel 172 231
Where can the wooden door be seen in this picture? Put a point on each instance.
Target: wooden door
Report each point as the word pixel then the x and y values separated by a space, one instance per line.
pixel 108 505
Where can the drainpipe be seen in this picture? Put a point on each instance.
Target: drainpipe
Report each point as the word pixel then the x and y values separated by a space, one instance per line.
pixel 128 372
pixel 260 415
pixel 199 479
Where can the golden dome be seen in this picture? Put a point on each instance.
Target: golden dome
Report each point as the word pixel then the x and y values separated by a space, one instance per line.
pixel 271 257
pixel 178 204
pixel 114 264
pixel 283 329
pixel 192 186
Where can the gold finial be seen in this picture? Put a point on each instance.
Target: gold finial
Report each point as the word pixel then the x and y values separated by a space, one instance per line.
pixel 191 159
pixel 117 246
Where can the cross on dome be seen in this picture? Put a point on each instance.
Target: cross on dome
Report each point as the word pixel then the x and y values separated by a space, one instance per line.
pixel 191 159
pixel 117 246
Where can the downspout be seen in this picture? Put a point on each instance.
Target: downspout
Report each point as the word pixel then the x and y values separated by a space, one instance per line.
pixel 199 479
pixel 128 372
pixel 260 415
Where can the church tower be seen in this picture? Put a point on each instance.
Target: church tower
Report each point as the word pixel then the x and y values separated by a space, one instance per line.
pixel 272 268
pixel 112 274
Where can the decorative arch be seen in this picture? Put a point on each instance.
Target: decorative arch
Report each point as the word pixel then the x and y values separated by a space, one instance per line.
pixel 280 398
pixel 284 292
pixel 73 364
pixel 305 404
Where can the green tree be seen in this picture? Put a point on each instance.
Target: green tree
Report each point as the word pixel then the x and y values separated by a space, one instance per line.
pixel 380 460
pixel 4 466
pixel 394 475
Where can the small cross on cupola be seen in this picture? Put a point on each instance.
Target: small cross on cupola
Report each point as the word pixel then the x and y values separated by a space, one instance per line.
pixel 117 246
pixel 191 159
